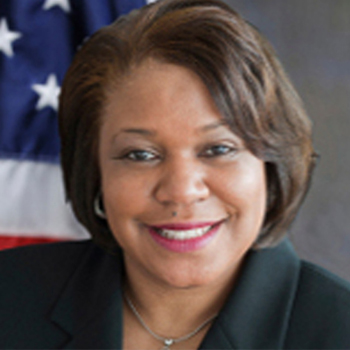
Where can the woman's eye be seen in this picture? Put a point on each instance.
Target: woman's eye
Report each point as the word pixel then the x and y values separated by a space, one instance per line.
pixel 140 156
pixel 219 150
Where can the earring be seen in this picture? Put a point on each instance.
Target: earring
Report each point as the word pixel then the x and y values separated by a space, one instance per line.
pixel 97 207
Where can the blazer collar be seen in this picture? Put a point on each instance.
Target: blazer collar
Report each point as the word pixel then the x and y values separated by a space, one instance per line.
pixel 90 308
pixel 256 314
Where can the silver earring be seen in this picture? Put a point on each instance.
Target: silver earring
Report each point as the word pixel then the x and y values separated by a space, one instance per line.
pixel 97 207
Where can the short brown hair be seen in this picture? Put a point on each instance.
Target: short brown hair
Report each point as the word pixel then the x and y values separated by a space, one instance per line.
pixel 242 74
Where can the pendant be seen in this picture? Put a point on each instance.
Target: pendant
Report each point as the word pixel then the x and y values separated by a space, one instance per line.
pixel 167 344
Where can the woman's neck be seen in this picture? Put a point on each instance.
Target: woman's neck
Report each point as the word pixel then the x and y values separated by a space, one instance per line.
pixel 162 305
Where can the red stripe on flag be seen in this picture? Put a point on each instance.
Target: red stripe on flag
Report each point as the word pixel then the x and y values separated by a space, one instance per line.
pixel 7 242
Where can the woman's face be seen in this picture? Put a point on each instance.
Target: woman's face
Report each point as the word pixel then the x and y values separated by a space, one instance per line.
pixel 165 148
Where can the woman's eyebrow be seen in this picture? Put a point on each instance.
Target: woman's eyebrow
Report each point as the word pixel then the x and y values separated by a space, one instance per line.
pixel 138 131
pixel 151 132
pixel 214 126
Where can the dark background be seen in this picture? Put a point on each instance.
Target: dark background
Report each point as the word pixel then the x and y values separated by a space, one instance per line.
pixel 312 39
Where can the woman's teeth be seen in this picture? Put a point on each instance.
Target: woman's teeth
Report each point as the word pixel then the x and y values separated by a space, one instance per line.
pixel 184 234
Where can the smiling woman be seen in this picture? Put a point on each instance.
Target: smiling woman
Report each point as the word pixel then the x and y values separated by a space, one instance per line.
pixel 173 153
pixel 186 153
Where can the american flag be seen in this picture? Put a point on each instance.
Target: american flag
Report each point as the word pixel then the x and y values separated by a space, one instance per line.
pixel 38 39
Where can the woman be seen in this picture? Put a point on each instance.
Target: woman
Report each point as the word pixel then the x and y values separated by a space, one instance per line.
pixel 186 153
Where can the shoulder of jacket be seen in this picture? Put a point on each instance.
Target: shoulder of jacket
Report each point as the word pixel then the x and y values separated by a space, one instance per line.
pixel 317 282
pixel 45 263
pixel 42 254
pixel 321 311
pixel 32 279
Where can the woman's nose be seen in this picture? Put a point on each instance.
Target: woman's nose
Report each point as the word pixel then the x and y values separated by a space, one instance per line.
pixel 182 182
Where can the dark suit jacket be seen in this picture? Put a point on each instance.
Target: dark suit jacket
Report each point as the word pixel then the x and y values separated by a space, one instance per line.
pixel 68 295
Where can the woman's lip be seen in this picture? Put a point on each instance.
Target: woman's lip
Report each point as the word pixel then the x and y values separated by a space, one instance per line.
pixel 186 245
pixel 185 225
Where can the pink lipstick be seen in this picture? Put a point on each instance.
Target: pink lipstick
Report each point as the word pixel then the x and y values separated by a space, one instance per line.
pixel 184 237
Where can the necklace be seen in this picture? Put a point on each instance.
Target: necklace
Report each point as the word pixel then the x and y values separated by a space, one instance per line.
pixel 167 342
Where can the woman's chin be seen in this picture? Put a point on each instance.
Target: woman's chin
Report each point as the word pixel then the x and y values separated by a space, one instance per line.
pixel 189 277
pixel 186 282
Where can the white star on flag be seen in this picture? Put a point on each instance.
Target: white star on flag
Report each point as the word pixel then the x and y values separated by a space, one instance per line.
pixel 6 38
pixel 63 4
pixel 150 1
pixel 48 93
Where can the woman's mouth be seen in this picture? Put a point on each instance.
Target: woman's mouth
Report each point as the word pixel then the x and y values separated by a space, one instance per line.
pixel 184 237
pixel 183 234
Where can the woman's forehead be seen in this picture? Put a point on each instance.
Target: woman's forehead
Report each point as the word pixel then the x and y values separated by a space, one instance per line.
pixel 160 88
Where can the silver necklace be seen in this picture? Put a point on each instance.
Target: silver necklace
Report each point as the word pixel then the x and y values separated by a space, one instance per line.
pixel 167 342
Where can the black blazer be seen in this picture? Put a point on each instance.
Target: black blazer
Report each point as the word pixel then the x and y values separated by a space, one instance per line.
pixel 68 295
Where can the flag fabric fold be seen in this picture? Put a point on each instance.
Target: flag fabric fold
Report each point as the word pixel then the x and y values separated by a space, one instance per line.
pixel 38 39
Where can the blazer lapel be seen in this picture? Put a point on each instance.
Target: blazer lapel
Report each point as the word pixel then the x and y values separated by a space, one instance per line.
pixel 90 308
pixel 256 314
